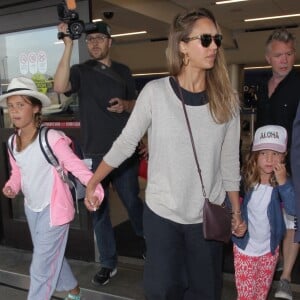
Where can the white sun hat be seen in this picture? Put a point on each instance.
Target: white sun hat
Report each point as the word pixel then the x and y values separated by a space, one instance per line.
pixel 26 87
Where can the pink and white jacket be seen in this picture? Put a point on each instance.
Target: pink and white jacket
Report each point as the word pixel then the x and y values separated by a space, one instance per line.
pixel 61 204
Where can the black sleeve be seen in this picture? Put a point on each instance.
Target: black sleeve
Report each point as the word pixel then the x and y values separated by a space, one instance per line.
pixel 74 80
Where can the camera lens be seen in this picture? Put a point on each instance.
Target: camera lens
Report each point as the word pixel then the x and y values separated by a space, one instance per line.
pixel 76 28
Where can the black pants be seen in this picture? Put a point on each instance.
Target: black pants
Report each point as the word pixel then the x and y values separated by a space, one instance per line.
pixel 180 264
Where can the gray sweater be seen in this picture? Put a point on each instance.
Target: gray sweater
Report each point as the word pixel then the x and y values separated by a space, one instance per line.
pixel 173 188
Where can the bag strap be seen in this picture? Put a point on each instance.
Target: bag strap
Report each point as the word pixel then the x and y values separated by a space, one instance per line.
pixel 105 70
pixel 53 160
pixel 50 156
pixel 191 136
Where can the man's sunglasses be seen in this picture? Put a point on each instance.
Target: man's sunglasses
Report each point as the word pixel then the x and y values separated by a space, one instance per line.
pixel 206 39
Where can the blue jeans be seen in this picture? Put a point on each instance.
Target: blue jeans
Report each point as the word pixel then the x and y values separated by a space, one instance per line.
pixel 180 263
pixel 125 181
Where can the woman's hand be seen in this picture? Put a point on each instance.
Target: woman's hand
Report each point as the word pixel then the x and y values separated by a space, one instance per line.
pixel 238 226
pixel 91 202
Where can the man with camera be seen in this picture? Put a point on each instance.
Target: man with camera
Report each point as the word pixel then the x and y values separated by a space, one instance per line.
pixel 106 93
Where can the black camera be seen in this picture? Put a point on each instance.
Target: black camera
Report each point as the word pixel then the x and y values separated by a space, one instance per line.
pixel 75 26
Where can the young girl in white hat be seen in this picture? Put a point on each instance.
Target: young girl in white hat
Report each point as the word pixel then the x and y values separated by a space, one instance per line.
pixel 48 205
pixel 267 187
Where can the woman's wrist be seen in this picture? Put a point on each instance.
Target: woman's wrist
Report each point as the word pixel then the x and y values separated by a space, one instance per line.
pixel 92 184
pixel 236 219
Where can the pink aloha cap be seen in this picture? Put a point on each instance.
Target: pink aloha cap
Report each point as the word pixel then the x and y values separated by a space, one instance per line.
pixel 270 137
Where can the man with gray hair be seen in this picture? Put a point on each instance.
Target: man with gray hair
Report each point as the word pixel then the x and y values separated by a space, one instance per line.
pixel 277 105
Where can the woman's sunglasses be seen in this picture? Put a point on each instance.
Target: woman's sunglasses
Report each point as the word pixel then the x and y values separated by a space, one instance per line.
pixel 206 39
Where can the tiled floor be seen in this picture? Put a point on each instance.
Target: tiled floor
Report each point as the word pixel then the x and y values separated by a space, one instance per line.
pixel 127 284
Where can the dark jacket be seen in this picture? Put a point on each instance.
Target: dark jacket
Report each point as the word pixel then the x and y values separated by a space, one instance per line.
pixel 280 108
pixel 283 193
pixel 295 164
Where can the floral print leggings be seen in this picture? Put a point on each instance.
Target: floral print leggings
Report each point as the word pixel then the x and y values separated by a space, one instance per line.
pixel 254 274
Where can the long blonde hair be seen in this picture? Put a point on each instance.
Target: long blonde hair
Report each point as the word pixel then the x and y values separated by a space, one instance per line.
pixel 223 103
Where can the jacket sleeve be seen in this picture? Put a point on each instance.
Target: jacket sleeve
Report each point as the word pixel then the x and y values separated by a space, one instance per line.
pixel 14 181
pixel 287 196
pixel 60 145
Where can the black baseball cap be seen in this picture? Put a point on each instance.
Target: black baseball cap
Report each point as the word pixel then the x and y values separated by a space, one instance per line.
pixel 100 27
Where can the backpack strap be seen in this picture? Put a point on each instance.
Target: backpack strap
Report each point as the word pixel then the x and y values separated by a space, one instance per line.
pixel 10 145
pixel 53 160
pixel 50 156
pixel 45 147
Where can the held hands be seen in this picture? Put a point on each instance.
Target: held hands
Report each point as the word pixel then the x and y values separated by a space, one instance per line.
pixel 8 192
pixel 91 202
pixel 280 173
pixel 238 226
